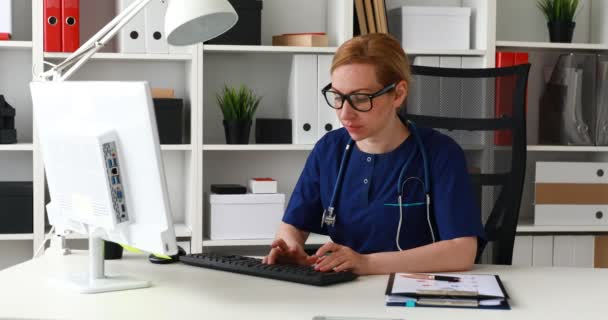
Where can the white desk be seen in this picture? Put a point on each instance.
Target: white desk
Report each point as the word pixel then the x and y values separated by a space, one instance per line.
pixel 185 292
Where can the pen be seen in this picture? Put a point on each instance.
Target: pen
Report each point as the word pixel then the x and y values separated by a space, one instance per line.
pixel 430 277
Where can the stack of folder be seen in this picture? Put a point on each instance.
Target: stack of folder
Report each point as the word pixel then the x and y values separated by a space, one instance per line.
pixel 446 290
pixel 61 25
pixel 371 16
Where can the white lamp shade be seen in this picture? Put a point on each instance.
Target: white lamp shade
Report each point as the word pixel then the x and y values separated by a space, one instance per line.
pixel 192 21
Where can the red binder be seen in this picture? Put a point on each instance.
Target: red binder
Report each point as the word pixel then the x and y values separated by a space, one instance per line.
pixel 52 25
pixel 504 92
pixel 5 36
pixel 71 25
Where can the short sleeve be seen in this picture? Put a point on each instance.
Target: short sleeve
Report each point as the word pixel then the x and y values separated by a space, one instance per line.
pixel 305 209
pixel 456 212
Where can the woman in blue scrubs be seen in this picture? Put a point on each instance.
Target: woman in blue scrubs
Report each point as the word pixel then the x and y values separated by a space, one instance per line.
pixel 369 82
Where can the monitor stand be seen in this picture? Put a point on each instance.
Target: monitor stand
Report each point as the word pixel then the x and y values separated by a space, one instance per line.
pixel 95 281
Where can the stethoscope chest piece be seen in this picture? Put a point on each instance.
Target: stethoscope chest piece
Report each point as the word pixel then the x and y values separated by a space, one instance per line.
pixel 329 218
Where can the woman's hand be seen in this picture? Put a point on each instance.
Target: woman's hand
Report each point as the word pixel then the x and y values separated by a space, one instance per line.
pixel 282 253
pixel 342 258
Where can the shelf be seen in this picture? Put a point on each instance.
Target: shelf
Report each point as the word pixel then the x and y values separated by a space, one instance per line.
pixel 321 50
pixel 257 147
pixel 216 48
pixel 176 147
pixel 550 45
pixel 125 56
pixel 17 236
pixel 17 147
pixel 314 239
pixel 556 148
pixel 529 227
pixel 15 44
pixel 444 52
pixel 181 231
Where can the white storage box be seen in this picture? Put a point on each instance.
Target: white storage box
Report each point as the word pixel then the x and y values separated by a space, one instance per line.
pixel 263 185
pixel 245 216
pixel 571 193
pixel 431 27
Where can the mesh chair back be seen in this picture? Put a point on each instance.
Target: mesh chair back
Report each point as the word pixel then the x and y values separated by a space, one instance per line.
pixel 462 103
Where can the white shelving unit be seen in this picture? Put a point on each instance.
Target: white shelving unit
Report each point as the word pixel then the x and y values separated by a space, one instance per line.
pixel 14 44
pixel 197 76
pixel 530 45
pixel 529 34
pixel 125 56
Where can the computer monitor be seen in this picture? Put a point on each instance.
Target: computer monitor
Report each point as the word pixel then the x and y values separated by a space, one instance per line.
pixel 101 153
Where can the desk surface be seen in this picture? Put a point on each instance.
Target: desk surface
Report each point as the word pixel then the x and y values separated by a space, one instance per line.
pixel 185 292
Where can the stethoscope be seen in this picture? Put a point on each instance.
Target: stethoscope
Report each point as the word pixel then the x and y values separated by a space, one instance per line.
pixel 329 214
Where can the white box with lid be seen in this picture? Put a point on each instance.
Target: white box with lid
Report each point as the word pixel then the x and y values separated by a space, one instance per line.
pixel 431 27
pixel 245 216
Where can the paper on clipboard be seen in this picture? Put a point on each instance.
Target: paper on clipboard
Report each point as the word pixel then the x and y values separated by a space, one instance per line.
pixel 476 285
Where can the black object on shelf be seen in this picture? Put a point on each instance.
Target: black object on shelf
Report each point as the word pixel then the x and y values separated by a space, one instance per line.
pixel 561 31
pixel 237 131
pixel 16 207
pixel 170 120
pixel 248 29
pixel 276 131
pixel 228 189
pixel 111 250
pixel 8 134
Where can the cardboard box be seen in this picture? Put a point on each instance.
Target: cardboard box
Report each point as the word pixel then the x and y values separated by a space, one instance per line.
pixel 245 216
pixel 301 40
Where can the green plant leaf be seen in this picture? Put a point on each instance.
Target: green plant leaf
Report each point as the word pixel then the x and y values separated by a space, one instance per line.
pixel 559 10
pixel 238 104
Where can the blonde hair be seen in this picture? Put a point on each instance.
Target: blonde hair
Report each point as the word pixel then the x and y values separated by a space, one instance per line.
pixel 382 51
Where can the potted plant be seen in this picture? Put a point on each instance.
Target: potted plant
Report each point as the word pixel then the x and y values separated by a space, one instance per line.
pixel 238 107
pixel 560 18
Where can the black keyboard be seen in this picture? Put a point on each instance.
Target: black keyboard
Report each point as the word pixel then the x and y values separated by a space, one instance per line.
pixel 255 267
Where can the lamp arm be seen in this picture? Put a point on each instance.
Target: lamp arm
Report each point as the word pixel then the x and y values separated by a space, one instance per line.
pixel 94 44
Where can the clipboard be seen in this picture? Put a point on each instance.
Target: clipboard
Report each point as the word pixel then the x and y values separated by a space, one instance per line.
pixel 447 298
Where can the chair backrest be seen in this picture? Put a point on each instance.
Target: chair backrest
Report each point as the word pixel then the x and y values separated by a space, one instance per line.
pixel 484 110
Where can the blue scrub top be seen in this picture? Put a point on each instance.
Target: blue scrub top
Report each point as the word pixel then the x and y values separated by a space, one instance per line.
pixel 366 215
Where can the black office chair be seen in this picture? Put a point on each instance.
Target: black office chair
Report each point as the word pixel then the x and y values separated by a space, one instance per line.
pixel 461 103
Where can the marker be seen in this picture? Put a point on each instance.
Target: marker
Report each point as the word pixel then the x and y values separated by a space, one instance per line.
pixel 430 277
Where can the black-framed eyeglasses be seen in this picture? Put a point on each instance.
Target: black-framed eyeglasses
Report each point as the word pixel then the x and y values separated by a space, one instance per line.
pixel 361 102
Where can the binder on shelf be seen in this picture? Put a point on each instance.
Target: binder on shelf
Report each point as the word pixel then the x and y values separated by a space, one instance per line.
pixel 302 99
pixel 53 25
pixel 370 17
pixel 522 251
pixel 131 38
pixel 156 40
pixel 504 92
pixel 361 17
pixel 571 193
pixel 6 19
pixel 328 120
pixel 542 251
pixel 573 251
pixel 70 26
pixel 380 16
